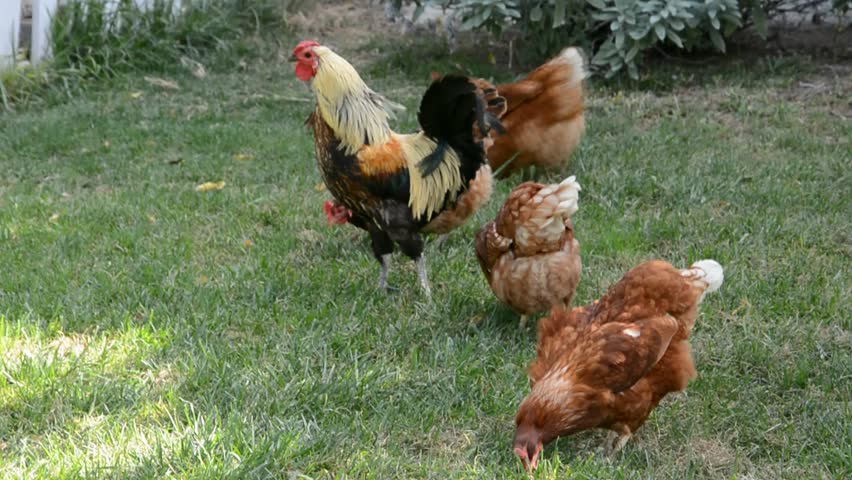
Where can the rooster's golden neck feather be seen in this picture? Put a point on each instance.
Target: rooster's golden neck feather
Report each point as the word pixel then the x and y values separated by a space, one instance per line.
pixel 357 114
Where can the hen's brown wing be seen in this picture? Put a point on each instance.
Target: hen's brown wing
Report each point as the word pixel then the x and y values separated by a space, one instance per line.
pixel 616 355
pixel 520 92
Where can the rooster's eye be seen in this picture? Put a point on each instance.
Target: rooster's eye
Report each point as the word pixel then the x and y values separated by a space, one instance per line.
pixel 308 55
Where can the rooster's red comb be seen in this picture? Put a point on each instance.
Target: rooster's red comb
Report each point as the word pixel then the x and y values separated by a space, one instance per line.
pixel 305 44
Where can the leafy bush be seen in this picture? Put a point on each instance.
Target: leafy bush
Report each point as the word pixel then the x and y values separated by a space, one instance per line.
pixel 618 31
pixel 639 25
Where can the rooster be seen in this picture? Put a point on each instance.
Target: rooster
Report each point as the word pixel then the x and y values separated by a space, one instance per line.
pixel 529 254
pixel 394 184
pixel 608 365
pixel 545 121
pixel 469 202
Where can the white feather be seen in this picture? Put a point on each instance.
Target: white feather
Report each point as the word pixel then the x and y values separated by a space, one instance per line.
pixel 711 272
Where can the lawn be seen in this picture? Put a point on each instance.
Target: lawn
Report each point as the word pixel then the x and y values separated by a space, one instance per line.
pixel 149 330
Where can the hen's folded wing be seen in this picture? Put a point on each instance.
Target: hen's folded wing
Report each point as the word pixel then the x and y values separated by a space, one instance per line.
pixel 617 355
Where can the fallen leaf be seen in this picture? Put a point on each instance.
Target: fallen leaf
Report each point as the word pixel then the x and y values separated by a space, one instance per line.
pixel 66 345
pixel 175 161
pixel 162 83
pixel 152 219
pixel 196 68
pixel 244 157
pixel 492 59
pixel 107 144
pixel 309 236
pixel 202 280
pixel 243 64
pixel 54 218
pixel 207 186
pixel 320 187
pixel 248 243
pixel 136 95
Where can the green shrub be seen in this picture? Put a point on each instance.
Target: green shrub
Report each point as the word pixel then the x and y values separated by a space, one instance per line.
pixel 617 31
pixel 637 26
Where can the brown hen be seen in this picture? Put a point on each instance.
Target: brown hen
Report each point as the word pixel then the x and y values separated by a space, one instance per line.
pixel 529 254
pixel 545 119
pixel 608 365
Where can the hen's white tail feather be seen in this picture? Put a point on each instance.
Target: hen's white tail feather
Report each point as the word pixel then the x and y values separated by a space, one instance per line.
pixel 548 210
pixel 708 272
pixel 567 194
pixel 573 57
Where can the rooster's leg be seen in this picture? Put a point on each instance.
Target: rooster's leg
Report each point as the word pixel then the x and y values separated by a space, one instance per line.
pixel 423 275
pixel 383 275
pixel 382 249
pixel 411 244
pixel 441 240
pixel 523 323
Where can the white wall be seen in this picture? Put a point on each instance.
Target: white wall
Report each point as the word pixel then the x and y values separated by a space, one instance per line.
pixel 42 13
pixel 10 24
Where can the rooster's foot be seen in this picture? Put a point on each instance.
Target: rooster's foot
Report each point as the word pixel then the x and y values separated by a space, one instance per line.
pixel 383 275
pixel 441 240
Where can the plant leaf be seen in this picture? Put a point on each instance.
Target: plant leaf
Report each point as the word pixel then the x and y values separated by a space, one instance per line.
pixel 631 54
pixel 660 30
pixel 759 16
pixel 417 12
pixel 559 13
pixel 718 41
pixel 675 38
pixel 536 14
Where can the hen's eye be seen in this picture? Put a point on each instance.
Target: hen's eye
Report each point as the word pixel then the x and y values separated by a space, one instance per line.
pixel 308 55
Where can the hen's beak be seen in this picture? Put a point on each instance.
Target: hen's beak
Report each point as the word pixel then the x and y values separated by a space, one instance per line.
pixel 522 454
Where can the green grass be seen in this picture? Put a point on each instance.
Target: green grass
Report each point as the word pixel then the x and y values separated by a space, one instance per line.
pixel 148 330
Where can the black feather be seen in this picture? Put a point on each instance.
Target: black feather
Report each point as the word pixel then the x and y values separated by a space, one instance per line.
pixel 450 108
pixel 433 160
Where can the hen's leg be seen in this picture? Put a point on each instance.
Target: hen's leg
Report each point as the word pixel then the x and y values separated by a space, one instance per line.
pixel 382 249
pixel 523 323
pixel 617 439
